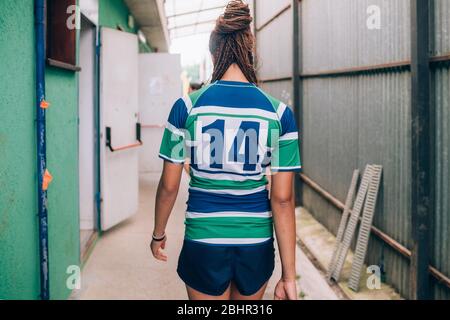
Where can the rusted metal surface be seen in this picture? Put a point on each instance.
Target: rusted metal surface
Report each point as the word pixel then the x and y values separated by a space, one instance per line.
pixel 440 97
pixel 440 35
pixel 280 89
pixel 287 78
pixel 443 58
pixel 356 109
pixel 439 276
pixel 399 248
pixel 350 122
pixel 441 227
pixel 274 52
pixel 422 151
pixel 339 34
pixel 339 205
pixel 279 13
pixel 386 67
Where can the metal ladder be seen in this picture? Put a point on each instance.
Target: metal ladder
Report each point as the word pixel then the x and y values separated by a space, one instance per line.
pixel 365 227
pixel 343 223
pixel 344 246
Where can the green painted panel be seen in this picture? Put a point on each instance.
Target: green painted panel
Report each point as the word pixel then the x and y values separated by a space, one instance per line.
pixel 114 13
pixel 19 251
pixel 19 268
pixel 62 162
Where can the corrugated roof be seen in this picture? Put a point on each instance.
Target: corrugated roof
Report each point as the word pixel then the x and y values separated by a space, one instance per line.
pixel 185 18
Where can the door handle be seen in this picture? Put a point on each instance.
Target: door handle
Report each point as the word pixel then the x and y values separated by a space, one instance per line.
pixel 129 146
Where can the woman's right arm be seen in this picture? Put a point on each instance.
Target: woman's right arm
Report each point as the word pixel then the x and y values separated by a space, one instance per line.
pixel 283 210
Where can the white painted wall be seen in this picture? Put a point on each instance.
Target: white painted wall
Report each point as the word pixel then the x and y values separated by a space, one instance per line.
pixel 160 86
pixel 87 127
pixel 90 9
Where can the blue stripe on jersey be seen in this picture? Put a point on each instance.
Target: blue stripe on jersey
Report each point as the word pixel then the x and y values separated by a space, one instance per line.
pixel 178 114
pixel 287 120
pixel 204 202
pixel 233 95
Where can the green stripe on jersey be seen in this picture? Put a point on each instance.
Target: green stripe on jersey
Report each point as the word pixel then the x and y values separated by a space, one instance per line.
pixel 172 146
pixel 286 155
pixel 228 227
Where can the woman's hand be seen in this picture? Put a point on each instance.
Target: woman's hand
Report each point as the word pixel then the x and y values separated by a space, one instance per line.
pixel 286 290
pixel 157 248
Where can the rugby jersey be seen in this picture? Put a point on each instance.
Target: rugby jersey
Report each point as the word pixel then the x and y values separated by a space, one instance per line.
pixel 231 132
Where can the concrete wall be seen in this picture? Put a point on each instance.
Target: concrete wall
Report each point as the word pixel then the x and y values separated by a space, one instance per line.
pixel 19 254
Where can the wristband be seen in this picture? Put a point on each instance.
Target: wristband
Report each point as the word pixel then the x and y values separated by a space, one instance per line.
pixel 160 238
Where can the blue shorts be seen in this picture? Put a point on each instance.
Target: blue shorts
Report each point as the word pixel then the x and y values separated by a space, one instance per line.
pixel 209 269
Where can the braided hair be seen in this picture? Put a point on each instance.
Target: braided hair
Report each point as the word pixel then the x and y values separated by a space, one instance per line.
pixel 232 41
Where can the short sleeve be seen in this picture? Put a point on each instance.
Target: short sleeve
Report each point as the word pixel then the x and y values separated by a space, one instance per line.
pixel 172 145
pixel 286 154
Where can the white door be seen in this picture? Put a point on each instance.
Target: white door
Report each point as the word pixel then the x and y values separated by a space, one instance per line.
pixel 160 86
pixel 119 116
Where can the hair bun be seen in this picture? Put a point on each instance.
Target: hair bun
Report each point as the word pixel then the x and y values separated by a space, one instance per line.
pixel 235 18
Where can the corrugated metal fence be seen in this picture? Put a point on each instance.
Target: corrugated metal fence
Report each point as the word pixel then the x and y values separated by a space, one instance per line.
pixel 356 109
pixel 441 101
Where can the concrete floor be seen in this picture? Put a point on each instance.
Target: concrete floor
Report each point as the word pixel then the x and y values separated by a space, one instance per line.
pixel 121 265
pixel 321 243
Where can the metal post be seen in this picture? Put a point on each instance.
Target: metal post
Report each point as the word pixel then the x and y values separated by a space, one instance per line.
pixel 41 147
pixel 296 92
pixel 422 197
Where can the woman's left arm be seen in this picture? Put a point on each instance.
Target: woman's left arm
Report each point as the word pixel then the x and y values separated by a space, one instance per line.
pixel 165 199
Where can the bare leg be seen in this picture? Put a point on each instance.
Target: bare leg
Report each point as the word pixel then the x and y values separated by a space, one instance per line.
pixel 235 294
pixel 196 295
